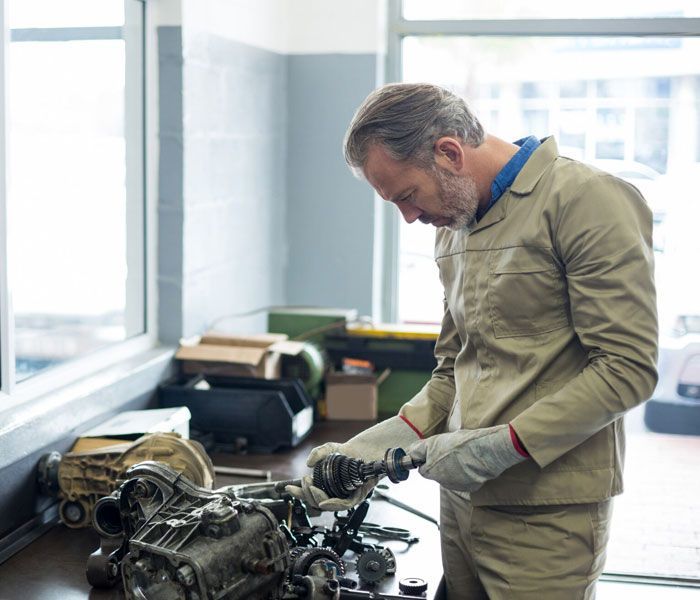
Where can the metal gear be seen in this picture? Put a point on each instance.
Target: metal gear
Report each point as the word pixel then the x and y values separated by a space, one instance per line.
pixel 413 586
pixel 338 475
pixel 373 565
pixel 303 558
pixel 390 560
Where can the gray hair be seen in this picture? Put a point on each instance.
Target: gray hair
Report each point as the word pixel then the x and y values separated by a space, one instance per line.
pixel 407 119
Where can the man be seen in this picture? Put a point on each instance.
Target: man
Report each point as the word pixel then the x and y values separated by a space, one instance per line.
pixel 549 336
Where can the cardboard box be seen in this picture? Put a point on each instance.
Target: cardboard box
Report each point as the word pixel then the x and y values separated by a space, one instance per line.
pixel 237 355
pixel 351 397
pixel 132 424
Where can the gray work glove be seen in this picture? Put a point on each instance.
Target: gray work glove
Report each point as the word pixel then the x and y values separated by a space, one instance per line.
pixel 369 445
pixel 464 460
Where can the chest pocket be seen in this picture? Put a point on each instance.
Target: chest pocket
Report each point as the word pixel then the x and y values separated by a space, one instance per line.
pixel 526 292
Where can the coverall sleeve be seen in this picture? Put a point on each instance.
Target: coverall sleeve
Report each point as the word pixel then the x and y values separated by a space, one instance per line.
pixel 428 410
pixel 604 238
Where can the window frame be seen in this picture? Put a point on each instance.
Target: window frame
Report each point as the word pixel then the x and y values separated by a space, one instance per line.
pixel 141 189
pixel 387 223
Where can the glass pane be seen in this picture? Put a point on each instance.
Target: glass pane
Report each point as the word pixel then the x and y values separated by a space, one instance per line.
pixel 66 13
pixel 630 107
pixel 547 9
pixel 67 202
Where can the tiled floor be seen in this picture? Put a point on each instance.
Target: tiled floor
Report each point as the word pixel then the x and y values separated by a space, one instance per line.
pixel 656 522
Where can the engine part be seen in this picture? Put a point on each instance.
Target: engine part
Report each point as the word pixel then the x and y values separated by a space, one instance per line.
pixel 344 535
pixel 339 476
pixel 303 559
pixel 171 539
pixel 413 586
pixel 79 479
pixel 183 541
pixel 374 565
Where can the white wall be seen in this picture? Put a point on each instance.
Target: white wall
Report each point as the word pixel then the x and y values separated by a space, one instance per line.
pixel 292 26
pixel 336 27
pixel 165 12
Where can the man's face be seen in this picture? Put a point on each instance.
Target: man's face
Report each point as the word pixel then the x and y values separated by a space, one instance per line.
pixel 433 196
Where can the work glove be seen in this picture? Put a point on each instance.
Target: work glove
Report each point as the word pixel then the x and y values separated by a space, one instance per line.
pixel 369 445
pixel 464 460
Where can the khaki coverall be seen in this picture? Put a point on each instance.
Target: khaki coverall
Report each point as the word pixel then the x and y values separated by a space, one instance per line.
pixel 550 325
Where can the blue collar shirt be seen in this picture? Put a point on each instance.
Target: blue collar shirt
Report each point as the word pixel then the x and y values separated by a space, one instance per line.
pixel 510 171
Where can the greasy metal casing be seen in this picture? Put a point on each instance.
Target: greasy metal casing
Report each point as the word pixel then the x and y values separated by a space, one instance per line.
pixel 80 479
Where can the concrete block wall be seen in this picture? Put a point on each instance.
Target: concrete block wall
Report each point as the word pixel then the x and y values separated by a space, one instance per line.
pixel 235 120
pixel 258 208
pixel 222 201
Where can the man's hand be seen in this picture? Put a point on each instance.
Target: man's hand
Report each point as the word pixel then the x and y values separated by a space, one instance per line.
pixel 316 499
pixel 369 445
pixel 464 460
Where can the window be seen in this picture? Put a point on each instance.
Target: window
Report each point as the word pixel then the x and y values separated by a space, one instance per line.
pixel 74 205
pixel 621 91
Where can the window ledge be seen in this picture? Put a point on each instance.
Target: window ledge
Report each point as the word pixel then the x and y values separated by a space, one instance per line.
pixel 68 410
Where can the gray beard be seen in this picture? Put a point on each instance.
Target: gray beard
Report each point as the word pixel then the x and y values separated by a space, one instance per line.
pixel 460 200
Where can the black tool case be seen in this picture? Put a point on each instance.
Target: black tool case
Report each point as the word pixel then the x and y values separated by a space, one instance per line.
pixel 268 413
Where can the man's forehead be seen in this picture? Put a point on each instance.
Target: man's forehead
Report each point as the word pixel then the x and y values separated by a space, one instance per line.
pixel 378 157
pixel 384 173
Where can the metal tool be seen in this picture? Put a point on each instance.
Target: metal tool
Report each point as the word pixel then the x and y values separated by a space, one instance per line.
pixel 241 472
pixel 379 491
pixel 388 533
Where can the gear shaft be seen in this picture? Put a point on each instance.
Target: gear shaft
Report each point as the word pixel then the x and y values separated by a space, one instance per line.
pixel 339 475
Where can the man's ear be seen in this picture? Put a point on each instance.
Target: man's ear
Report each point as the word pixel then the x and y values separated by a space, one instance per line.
pixel 449 154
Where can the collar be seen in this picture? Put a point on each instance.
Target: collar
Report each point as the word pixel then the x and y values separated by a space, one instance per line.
pixel 538 162
pixel 510 171
pixel 533 169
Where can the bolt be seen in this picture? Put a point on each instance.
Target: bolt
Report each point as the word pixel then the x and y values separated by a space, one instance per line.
pixel 373 566
pixel 185 575
pixel 213 530
pixel 142 565
pixel 141 490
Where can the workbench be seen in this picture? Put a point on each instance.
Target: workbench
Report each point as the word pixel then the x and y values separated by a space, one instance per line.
pixel 53 566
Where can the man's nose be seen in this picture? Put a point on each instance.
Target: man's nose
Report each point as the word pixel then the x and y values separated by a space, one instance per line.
pixel 409 213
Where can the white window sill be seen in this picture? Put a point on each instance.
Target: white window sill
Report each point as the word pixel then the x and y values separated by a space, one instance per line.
pixel 38 420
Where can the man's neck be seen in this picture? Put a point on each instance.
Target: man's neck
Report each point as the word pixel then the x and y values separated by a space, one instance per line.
pixel 486 162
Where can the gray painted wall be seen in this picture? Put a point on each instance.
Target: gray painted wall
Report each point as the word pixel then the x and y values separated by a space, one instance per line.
pixel 170 184
pixel 235 151
pixel 222 240
pixel 257 206
pixel 330 214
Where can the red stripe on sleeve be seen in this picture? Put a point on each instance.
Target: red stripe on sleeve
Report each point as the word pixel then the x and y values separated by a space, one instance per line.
pixel 516 443
pixel 412 426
